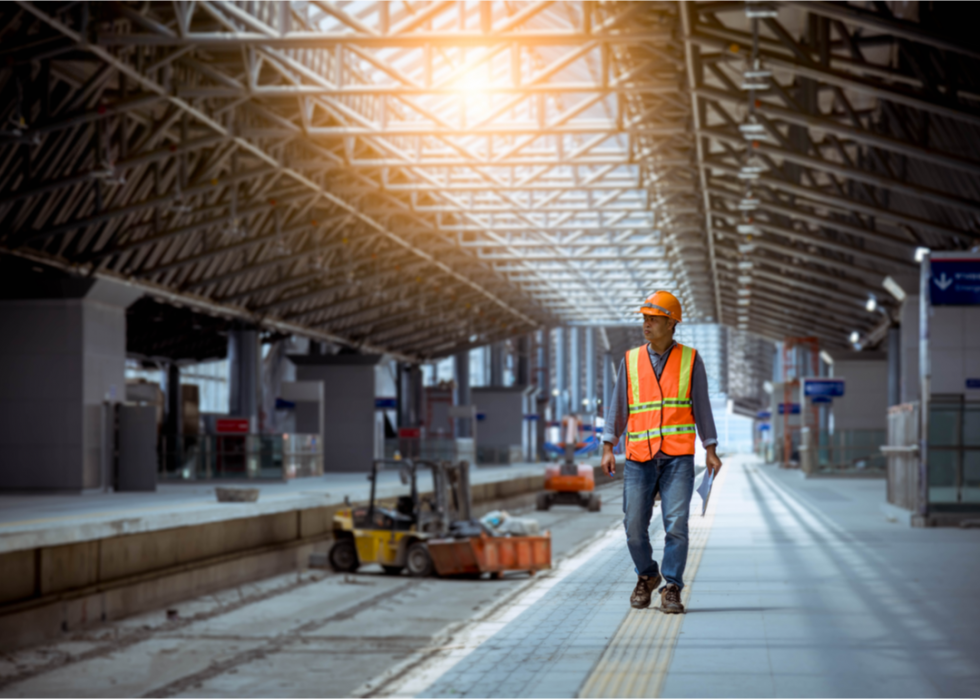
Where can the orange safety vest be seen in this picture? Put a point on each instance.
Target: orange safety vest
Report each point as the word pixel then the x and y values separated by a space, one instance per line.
pixel 661 417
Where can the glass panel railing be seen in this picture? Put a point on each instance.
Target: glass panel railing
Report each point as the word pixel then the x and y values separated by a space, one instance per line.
pixel 240 457
pixel 971 425
pixel 302 455
pixel 970 490
pixel 852 451
pixel 944 425
pixel 954 454
pixel 942 475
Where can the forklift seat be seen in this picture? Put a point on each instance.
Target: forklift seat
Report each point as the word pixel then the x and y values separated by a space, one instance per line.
pixel 405 506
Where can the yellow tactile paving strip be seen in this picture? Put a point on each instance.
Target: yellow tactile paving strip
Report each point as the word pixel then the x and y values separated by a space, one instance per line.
pixel 636 661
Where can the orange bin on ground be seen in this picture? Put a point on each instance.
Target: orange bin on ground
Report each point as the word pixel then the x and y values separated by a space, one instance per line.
pixel 491 554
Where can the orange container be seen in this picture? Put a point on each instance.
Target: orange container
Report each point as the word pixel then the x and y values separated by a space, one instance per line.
pixel 491 554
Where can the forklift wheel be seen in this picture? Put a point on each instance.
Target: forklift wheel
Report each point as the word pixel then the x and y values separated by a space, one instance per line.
pixel 543 501
pixel 419 562
pixel 595 503
pixel 343 556
pixel 392 570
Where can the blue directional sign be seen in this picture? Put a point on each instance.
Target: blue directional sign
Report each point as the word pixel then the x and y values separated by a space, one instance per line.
pixel 821 399
pixel 973 383
pixel 794 408
pixel 830 388
pixel 955 279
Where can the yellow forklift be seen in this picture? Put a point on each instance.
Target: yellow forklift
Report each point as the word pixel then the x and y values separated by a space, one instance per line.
pixel 430 534
pixel 396 537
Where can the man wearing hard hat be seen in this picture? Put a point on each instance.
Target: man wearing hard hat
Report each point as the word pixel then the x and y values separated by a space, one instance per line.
pixel 661 396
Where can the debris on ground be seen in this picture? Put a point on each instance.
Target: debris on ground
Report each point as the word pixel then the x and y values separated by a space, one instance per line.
pixel 502 523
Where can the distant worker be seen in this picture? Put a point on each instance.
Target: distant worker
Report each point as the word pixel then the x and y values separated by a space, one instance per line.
pixel 661 395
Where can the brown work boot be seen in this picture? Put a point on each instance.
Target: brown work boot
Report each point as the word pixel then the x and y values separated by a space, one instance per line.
pixel 645 585
pixel 670 600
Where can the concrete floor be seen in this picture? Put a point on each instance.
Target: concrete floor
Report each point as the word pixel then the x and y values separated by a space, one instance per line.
pixel 308 634
pixel 805 589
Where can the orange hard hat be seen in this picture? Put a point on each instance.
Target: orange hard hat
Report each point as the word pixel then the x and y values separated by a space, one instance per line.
pixel 662 303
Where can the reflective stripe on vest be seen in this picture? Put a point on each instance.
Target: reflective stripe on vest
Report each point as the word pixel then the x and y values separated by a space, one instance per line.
pixel 687 364
pixel 647 407
pixel 649 434
pixel 633 369
pixel 678 429
pixel 660 408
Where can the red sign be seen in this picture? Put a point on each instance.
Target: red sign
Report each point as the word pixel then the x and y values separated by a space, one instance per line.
pixel 409 433
pixel 232 425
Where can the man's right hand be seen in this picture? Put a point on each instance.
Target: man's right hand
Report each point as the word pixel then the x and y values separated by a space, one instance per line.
pixel 608 460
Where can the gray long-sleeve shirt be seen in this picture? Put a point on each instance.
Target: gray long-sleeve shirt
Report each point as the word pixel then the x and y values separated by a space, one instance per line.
pixel 619 409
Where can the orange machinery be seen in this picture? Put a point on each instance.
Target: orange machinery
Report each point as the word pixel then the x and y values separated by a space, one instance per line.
pixel 569 484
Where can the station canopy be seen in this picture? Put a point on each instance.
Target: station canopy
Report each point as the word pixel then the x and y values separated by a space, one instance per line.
pixel 424 177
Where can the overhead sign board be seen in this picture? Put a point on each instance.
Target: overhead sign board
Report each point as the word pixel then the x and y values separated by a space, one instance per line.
pixel 955 279
pixel 794 408
pixel 385 403
pixel 830 388
pixel 232 425
pixel 973 384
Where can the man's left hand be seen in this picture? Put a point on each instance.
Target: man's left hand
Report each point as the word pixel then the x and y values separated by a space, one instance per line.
pixel 712 461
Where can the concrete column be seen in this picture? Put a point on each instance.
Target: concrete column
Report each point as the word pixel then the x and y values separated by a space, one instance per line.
pixel 522 360
pixel 608 381
pixel 894 365
pixel 409 395
pixel 590 387
pixel 348 420
pixel 418 393
pixel 399 395
pixel 62 360
pixel 543 338
pixel 175 422
pixel 575 370
pixel 174 430
pixel 405 417
pixel 461 368
pixel 561 373
pixel 243 374
pixel 497 358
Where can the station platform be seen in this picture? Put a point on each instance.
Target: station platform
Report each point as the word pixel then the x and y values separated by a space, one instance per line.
pixel 794 588
pixel 36 519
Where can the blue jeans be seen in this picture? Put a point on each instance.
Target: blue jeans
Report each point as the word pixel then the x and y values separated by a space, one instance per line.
pixel 674 478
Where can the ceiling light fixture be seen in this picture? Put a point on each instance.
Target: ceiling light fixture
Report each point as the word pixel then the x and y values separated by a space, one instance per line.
pixel 894 289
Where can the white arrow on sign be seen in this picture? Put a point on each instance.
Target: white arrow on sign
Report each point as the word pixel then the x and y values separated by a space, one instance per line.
pixel 943 282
